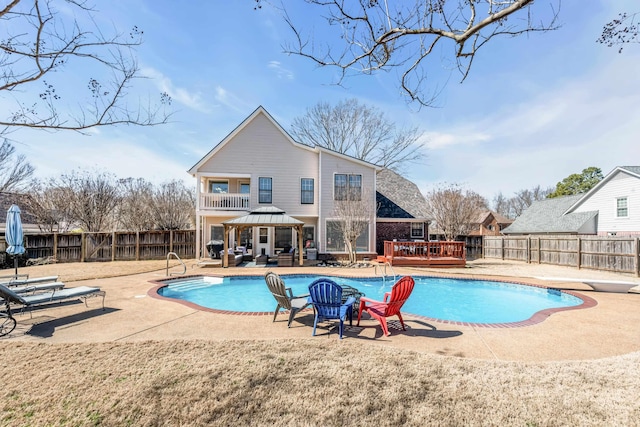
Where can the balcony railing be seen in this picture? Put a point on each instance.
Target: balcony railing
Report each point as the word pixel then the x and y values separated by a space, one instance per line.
pixel 224 201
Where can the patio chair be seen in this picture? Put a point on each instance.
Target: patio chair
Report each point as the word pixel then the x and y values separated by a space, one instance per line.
pixel 326 297
pixel 390 304
pixel 40 299
pixel 284 297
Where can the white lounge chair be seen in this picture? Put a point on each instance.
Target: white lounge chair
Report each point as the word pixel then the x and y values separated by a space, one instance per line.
pixel 39 299
pixel 38 287
pixel 20 280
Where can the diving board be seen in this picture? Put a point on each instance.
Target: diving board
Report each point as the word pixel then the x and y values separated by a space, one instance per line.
pixel 617 286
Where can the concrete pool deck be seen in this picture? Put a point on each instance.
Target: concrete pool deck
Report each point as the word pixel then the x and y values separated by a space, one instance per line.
pixel 610 328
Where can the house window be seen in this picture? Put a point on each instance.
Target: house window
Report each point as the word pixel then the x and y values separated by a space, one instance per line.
pixel 264 190
pixel 245 188
pixel 217 232
pixel 622 209
pixel 347 187
pixel 335 242
pixel 306 191
pixel 309 237
pixel 219 187
pixel 417 229
pixel 283 237
pixel 246 238
pixel 491 227
pixel 264 233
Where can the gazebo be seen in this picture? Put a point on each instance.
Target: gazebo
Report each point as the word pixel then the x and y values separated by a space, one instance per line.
pixel 269 216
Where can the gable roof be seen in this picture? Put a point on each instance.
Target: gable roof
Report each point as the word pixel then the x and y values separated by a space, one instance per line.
pixel 484 215
pixel 548 216
pixel 262 111
pixel 402 192
pixel 629 170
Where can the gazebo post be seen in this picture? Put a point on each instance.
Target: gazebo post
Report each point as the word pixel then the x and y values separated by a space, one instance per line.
pixel 225 247
pixel 299 230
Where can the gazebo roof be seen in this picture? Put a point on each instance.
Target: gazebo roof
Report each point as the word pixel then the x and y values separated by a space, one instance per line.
pixel 265 216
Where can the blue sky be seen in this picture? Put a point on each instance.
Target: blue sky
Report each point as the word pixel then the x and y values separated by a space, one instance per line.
pixel 533 110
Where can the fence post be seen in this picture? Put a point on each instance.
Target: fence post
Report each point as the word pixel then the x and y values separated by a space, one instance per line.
pixel 83 245
pixel 113 246
pixel 137 246
pixel 170 240
pixel 55 246
pixel 579 260
pixel 528 249
pixel 638 257
pixel 502 247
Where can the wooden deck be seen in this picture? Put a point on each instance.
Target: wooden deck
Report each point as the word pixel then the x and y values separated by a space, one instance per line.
pixel 424 254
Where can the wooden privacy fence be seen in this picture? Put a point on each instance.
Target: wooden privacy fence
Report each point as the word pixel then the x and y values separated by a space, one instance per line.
pixel 114 246
pixel 617 254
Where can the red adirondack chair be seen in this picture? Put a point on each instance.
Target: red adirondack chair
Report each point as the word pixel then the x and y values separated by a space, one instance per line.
pixel 390 305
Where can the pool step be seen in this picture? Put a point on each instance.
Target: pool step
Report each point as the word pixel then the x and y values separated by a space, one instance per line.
pixel 189 285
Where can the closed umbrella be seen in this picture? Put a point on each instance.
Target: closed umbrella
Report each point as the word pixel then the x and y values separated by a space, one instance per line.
pixel 14 235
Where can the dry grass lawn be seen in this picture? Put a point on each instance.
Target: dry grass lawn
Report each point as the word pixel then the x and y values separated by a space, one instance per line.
pixel 301 382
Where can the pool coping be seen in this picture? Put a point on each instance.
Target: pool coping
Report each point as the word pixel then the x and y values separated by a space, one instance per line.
pixel 537 317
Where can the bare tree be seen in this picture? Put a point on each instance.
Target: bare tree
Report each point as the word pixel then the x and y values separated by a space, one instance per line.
pixel 453 210
pixel 365 36
pixel 360 131
pixel 514 206
pixel 49 204
pixel 39 42
pixel 135 212
pixel 173 206
pixel 15 171
pixel 93 199
pixel 623 30
pixel 354 214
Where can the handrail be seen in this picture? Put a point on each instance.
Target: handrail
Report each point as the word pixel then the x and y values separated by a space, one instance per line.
pixel 384 274
pixel 178 258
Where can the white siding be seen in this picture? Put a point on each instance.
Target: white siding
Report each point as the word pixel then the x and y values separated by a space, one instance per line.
pixel 604 201
pixel 261 150
pixel 329 166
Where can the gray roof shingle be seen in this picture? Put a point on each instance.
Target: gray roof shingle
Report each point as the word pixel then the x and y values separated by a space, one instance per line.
pixel 546 216
pixel 402 192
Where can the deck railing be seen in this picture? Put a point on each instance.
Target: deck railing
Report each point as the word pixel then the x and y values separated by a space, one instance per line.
pixel 225 201
pixel 425 250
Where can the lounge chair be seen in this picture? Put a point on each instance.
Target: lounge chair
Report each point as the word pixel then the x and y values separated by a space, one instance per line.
pixel 284 297
pixel 38 287
pixel 36 300
pixel 390 304
pixel 20 280
pixel 326 297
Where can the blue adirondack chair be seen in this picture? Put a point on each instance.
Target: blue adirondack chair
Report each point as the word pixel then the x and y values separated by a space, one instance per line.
pixel 326 297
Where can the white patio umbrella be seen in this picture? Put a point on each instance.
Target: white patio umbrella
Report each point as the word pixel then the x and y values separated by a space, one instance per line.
pixel 14 235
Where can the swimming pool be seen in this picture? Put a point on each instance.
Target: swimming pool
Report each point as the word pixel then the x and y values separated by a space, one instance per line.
pixel 454 300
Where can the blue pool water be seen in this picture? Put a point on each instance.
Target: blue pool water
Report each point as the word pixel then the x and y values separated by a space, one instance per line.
pixel 474 301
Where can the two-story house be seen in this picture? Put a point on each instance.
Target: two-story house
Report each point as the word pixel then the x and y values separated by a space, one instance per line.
pixel 259 166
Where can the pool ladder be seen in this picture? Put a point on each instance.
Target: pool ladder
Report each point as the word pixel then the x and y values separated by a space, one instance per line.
pixel 384 272
pixel 178 258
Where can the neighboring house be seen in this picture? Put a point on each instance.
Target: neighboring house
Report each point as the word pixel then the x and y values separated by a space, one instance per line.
pixel 611 208
pixel 401 210
pixel 258 165
pixel 488 223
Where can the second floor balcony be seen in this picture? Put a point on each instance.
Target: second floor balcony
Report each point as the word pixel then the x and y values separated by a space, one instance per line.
pixel 224 201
